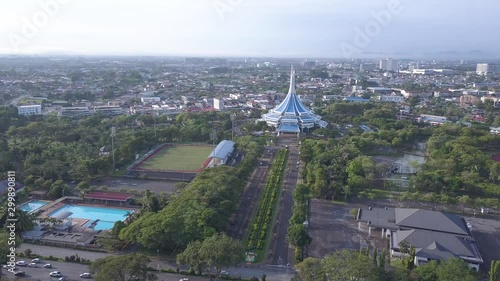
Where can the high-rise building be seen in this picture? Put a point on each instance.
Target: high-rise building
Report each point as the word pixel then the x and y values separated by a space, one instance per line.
pixel 389 65
pixel 219 104
pixel 485 68
pixel 291 116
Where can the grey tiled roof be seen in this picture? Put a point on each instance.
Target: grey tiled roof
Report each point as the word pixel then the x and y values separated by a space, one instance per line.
pixel 432 220
pixel 437 245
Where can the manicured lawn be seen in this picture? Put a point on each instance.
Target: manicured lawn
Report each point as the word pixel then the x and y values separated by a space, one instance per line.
pixel 180 158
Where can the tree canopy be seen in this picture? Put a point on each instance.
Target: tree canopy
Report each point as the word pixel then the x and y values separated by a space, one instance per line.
pixel 122 268
pixel 217 252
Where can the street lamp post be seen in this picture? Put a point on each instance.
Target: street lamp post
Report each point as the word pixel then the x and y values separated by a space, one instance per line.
pixel 113 134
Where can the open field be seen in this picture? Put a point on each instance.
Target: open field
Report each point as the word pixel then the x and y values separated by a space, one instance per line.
pixel 181 158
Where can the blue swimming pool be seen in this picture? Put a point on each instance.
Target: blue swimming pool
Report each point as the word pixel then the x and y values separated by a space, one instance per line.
pixel 33 205
pixel 106 216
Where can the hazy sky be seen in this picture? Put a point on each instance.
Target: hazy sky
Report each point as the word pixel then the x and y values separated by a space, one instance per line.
pixel 304 28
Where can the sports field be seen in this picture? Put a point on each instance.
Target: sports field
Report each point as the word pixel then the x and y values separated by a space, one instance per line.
pixel 178 158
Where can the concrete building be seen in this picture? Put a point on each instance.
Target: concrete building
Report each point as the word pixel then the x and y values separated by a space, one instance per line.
pixel 74 111
pixel 379 90
pixel 150 100
pixel 28 110
pixel 432 119
pixel 291 115
pixel 495 130
pixel 485 68
pixel 434 235
pixel 219 104
pixel 469 100
pixel 109 110
pixel 389 98
pixel 389 65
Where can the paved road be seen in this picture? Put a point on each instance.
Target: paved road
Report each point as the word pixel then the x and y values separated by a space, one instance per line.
pixel 251 195
pixel 70 271
pixel 272 273
pixel 282 253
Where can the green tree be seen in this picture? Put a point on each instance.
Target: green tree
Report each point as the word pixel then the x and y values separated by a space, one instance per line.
pixel 309 270
pixel 495 270
pixel 382 258
pixel 454 269
pixel 27 253
pixel 409 262
pixel 375 256
pixel 217 252
pixel 350 265
pixel 191 257
pixel 122 268
pixel 297 236
pixel 83 186
pixel 495 172
pixel 427 272
pixel 150 202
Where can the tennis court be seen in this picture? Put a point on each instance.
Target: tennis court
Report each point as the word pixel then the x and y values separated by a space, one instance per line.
pixel 178 158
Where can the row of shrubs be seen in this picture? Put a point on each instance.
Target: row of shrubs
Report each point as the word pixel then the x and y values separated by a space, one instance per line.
pixel 262 220
pixel 74 258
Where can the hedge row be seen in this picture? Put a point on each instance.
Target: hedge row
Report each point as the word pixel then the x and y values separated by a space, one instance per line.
pixel 262 220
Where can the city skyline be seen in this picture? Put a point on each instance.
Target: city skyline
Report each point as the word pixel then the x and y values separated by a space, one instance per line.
pixel 233 28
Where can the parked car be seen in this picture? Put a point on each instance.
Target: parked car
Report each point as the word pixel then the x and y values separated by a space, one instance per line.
pixel 21 263
pixel 224 272
pixel 184 279
pixel 32 264
pixel 55 274
pixel 85 275
pixel 6 266
pixel 19 273
pixel 37 260
pixel 47 265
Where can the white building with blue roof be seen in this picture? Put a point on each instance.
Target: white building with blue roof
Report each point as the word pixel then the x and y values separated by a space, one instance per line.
pixel 221 153
pixel 291 116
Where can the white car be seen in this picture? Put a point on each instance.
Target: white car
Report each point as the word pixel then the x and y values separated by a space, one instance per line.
pixel 37 260
pixel 55 274
pixel 85 275
pixel 224 272
pixel 47 265
pixel 21 263
pixel 184 279
pixel 32 264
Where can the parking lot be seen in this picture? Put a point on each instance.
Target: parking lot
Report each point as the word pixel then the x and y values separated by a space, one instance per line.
pixel 486 232
pixel 332 228
pixel 138 185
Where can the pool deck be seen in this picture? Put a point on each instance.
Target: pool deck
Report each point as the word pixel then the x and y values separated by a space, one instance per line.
pixel 77 224
pixel 46 210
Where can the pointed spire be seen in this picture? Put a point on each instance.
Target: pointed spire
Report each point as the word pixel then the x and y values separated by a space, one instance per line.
pixel 292 81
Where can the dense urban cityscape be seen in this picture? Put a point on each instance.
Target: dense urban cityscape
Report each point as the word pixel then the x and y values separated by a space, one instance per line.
pixel 144 164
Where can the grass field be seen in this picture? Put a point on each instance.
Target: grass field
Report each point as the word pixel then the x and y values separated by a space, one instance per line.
pixel 180 158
